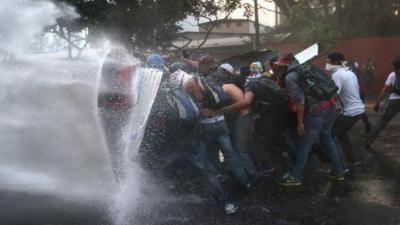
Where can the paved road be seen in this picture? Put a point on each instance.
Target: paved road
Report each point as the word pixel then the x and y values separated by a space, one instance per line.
pixel 369 196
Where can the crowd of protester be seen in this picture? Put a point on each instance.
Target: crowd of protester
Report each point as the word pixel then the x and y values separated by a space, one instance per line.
pixel 262 119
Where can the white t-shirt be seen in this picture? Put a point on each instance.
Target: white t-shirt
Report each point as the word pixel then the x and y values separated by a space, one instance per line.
pixel 349 92
pixel 389 82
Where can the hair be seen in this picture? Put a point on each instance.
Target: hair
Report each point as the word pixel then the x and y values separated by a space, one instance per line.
pixel 396 63
pixel 208 61
pixel 245 71
pixel 336 57
pixel 285 59
pixel 272 60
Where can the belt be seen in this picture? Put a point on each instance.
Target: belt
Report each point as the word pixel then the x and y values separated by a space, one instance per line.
pixel 212 119
pixel 324 105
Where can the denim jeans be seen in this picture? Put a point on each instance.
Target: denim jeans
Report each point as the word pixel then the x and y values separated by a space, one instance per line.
pixel 244 129
pixel 217 133
pixel 318 125
pixel 341 127
pixel 191 148
pixel 391 111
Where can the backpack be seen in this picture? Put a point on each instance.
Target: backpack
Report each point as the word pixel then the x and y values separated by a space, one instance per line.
pixel 213 94
pixel 177 106
pixel 396 84
pixel 268 93
pixel 316 82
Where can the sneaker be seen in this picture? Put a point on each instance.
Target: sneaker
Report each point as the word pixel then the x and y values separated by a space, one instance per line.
pixel 356 163
pixel 333 176
pixel 230 208
pixel 289 181
pixel 265 172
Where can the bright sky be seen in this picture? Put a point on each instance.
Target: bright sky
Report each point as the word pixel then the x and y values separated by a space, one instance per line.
pixel 266 17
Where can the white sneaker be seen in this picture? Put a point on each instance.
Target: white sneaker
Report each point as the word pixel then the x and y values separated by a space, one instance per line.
pixel 230 208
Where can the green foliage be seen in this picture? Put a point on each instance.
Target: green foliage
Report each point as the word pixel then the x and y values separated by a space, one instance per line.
pixel 142 23
pixel 312 25
pixel 326 21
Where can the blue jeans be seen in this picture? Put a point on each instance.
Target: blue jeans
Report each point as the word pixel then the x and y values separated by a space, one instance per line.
pixel 244 129
pixel 193 149
pixel 390 112
pixel 217 133
pixel 318 125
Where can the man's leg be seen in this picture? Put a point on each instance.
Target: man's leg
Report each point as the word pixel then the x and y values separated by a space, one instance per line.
pixel 200 160
pixel 391 111
pixel 367 124
pixel 313 124
pixel 329 143
pixel 340 130
pixel 230 154
pixel 243 132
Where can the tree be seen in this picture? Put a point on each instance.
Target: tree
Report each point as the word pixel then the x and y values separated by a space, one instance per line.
pixel 328 20
pixel 142 23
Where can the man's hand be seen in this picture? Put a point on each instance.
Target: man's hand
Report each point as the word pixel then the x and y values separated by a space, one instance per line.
pixel 300 130
pixel 376 107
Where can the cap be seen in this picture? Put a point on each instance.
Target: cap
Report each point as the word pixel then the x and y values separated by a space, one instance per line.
pixel 227 67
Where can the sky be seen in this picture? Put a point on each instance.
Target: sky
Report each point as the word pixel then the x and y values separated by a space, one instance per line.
pixel 266 17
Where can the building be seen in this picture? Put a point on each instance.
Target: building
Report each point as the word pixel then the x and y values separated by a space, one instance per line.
pixel 232 26
pixel 221 37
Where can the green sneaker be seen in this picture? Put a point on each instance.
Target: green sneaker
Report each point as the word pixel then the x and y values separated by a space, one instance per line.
pixel 333 176
pixel 289 181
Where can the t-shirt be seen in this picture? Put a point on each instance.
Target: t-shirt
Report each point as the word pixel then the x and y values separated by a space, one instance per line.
pixel 389 82
pixel 267 94
pixel 349 92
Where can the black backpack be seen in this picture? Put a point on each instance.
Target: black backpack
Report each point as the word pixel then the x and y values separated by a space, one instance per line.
pixel 268 94
pixel 316 82
pixel 213 94
pixel 175 106
pixel 396 83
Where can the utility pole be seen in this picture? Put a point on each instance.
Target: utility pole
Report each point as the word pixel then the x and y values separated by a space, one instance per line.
pixel 256 26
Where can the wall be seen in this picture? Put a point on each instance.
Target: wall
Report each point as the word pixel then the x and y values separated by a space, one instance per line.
pixel 381 50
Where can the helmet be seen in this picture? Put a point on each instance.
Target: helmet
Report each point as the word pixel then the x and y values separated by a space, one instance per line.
pixel 155 61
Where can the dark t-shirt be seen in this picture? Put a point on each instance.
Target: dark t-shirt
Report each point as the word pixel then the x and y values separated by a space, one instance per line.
pixel 268 95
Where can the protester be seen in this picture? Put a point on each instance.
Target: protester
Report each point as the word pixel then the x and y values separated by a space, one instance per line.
pixel 349 100
pixel 315 120
pixel 370 76
pixel 355 68
pixel 270 67
pixel 244 124
pixel 156 61
pixel 114 103
pixel 213 129
pixel 268 104
pixel 392 86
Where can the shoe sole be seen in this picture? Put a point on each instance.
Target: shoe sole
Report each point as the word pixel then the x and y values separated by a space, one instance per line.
pixel 336 178
pixel 289 184
pixel 231 211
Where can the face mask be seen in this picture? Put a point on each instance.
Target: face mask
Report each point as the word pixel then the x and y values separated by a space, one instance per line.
pixel 331 67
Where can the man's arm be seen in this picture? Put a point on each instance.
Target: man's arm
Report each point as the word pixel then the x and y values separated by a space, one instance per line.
pixel 246 101
pixel 297 96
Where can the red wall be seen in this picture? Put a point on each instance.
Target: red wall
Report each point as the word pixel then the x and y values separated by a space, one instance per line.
pixel 381 50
